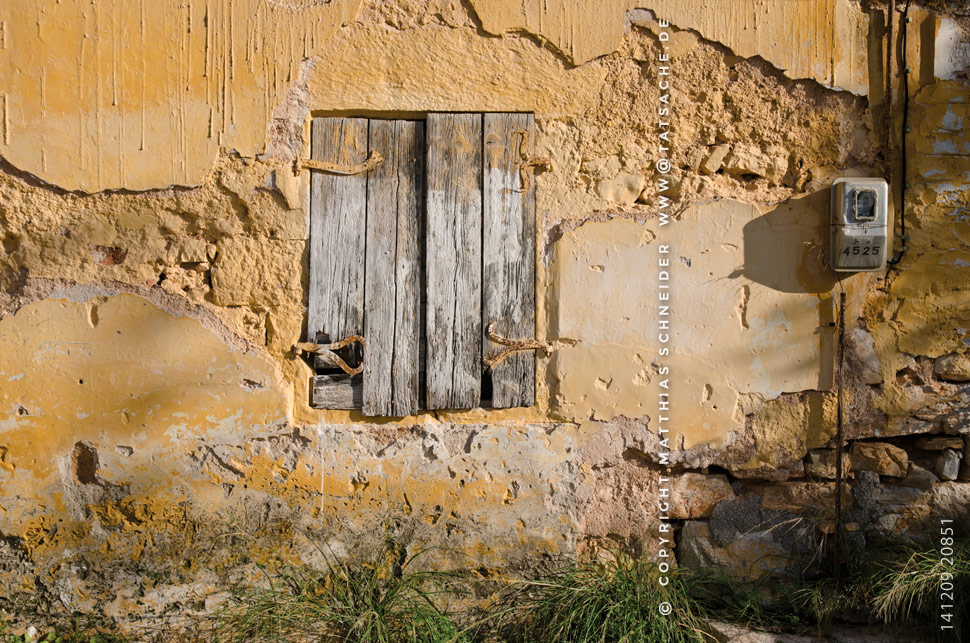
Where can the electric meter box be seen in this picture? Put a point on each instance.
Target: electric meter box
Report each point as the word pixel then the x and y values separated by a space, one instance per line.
pixel 860 225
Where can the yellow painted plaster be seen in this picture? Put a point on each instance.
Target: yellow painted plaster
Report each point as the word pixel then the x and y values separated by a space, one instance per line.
pixel 824 40
pixel 144 94
pixel 749 314
pixel 119 372
pixel 138 96
pixel 187 388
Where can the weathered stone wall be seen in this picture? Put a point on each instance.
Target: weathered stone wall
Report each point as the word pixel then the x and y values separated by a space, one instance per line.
pixel 155 436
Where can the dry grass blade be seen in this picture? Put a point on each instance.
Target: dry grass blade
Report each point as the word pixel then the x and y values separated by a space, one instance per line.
pixel 380 599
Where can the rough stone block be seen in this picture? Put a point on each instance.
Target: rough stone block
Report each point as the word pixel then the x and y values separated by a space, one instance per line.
pixel 880 457
pixel 950 499
pixel 190 250
pixel 753 555
pixel 901 510
pixel 918 478
pixel 861 348
pixel 821 463
pixel 940 442
pixel 694 495
pixel 957 421
pixel 734 517
pixel 948 464
pixel 953 367
pixel 750 159
pixel 714 160
pixel 797 495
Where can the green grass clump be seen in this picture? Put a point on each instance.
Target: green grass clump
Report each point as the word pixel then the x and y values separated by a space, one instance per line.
pixel 907 584
pixel 383 599
pixel 616 597
pixel 763 604
pixel 894 584
pixel 612 599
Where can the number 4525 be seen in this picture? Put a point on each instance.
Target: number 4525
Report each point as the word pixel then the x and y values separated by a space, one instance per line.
pixel 861 250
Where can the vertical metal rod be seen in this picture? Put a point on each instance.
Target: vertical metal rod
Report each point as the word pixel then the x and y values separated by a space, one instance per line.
pixel 321 435
pixel 905 126
pixel 888 93
pixel 893 68
pixel 839 448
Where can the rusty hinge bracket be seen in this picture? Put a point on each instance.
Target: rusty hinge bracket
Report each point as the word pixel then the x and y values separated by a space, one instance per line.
pixel 511 346
pixel 528 162
pixel 326 352
pixel 373 160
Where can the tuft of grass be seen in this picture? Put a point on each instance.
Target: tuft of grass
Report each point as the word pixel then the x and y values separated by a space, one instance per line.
pixel 380 599
pixel 609 599
pixel 764 604
pixel 893 584
pixel 384 597
pixel 908 586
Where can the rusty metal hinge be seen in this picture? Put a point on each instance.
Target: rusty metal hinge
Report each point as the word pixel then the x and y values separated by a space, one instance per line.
pixel 326 351
pixel 372 161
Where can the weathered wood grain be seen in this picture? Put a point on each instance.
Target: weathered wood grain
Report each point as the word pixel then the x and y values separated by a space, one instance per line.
pixel 453 322
pixel 393 287
pixel 337 218
pixel 508 272
pixel 337 391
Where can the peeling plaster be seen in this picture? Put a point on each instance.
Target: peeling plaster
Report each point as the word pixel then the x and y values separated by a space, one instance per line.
pixel 197 412
pixel 826 43
pixel 784 345
pixel 120 96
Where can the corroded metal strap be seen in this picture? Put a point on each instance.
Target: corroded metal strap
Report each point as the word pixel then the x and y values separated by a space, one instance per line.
pixel 372 161
pixel 526 161
pixel 511 346
pixel 326 352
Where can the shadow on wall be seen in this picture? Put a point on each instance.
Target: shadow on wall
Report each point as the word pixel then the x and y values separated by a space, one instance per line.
pixel 786 250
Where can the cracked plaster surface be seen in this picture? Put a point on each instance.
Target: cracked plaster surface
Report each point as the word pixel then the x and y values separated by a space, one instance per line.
pixel 215 274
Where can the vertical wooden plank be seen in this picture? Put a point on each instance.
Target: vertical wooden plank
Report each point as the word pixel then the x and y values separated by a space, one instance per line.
pixel 337 218
pixel 454 255
pixel 393 265
pixel 508 234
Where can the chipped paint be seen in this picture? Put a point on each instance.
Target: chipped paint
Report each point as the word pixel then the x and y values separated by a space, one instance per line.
pixel 142 95
pixel 154 418
pixel 825 41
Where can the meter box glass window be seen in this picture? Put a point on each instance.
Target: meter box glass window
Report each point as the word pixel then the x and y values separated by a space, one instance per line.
pixel 860 224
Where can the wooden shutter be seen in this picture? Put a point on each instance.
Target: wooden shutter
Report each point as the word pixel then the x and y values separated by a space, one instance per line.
pixel 453 325
pixel 337 217
pixel 393 279
pixel 462 182
pixel 508 273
